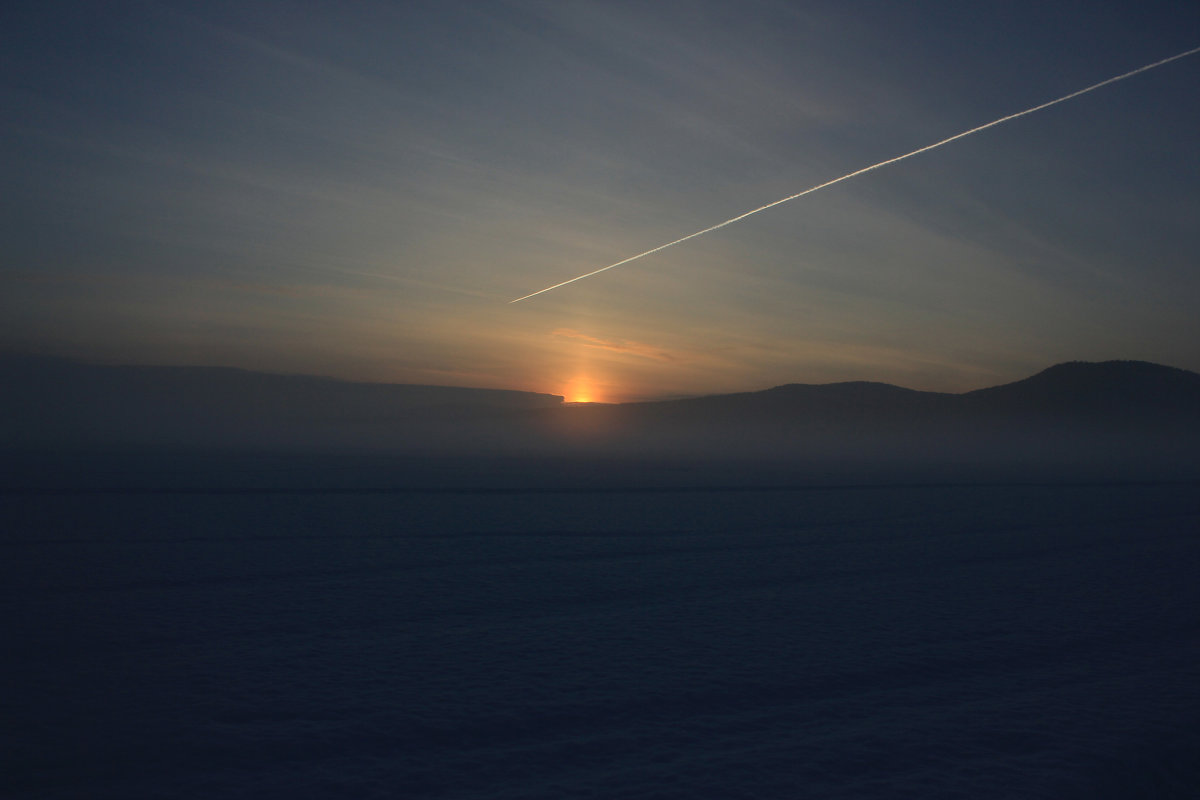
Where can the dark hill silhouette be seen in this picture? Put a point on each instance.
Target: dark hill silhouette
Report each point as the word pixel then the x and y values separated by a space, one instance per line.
pixel 1117 410
pixel 858 402
pixel 59 401
pixel 1116 390
pixel 1111 391
pixel 1119 388
pixel 855 397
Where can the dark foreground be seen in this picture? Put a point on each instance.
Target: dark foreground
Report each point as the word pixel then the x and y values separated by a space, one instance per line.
pixel 987 641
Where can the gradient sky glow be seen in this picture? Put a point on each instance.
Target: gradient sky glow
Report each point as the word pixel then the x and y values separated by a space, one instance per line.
pixel 358 190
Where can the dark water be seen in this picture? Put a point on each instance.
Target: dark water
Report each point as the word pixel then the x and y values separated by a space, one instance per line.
pixel 998 641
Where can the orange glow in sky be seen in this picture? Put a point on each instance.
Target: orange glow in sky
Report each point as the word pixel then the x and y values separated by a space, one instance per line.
pixel 581 389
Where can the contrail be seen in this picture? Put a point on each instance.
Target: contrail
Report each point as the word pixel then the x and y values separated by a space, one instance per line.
pixel 865 170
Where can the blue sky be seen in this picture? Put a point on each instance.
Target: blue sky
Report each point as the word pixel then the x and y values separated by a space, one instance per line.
pixel 358 190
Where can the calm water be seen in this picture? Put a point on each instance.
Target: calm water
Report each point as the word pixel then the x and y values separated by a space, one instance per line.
pixel 988 641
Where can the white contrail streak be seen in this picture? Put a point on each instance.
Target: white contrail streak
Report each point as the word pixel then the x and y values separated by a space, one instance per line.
pixel 865 170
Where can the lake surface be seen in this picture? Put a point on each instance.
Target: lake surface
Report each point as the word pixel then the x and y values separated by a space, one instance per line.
pixel 985 641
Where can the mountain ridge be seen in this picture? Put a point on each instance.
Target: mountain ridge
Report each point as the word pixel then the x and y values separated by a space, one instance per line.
pixel 12 363
pixel 1080 387
pixel 60 403
pixel 1051 373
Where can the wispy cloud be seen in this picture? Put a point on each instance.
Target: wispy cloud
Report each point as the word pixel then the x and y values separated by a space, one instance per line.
pixel 616 345
pixel 873 167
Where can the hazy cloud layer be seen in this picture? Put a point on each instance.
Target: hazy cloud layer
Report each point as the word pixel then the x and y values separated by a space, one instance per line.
pixel 616 345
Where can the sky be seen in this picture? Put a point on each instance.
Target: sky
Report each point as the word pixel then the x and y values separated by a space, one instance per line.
pixel 359 189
